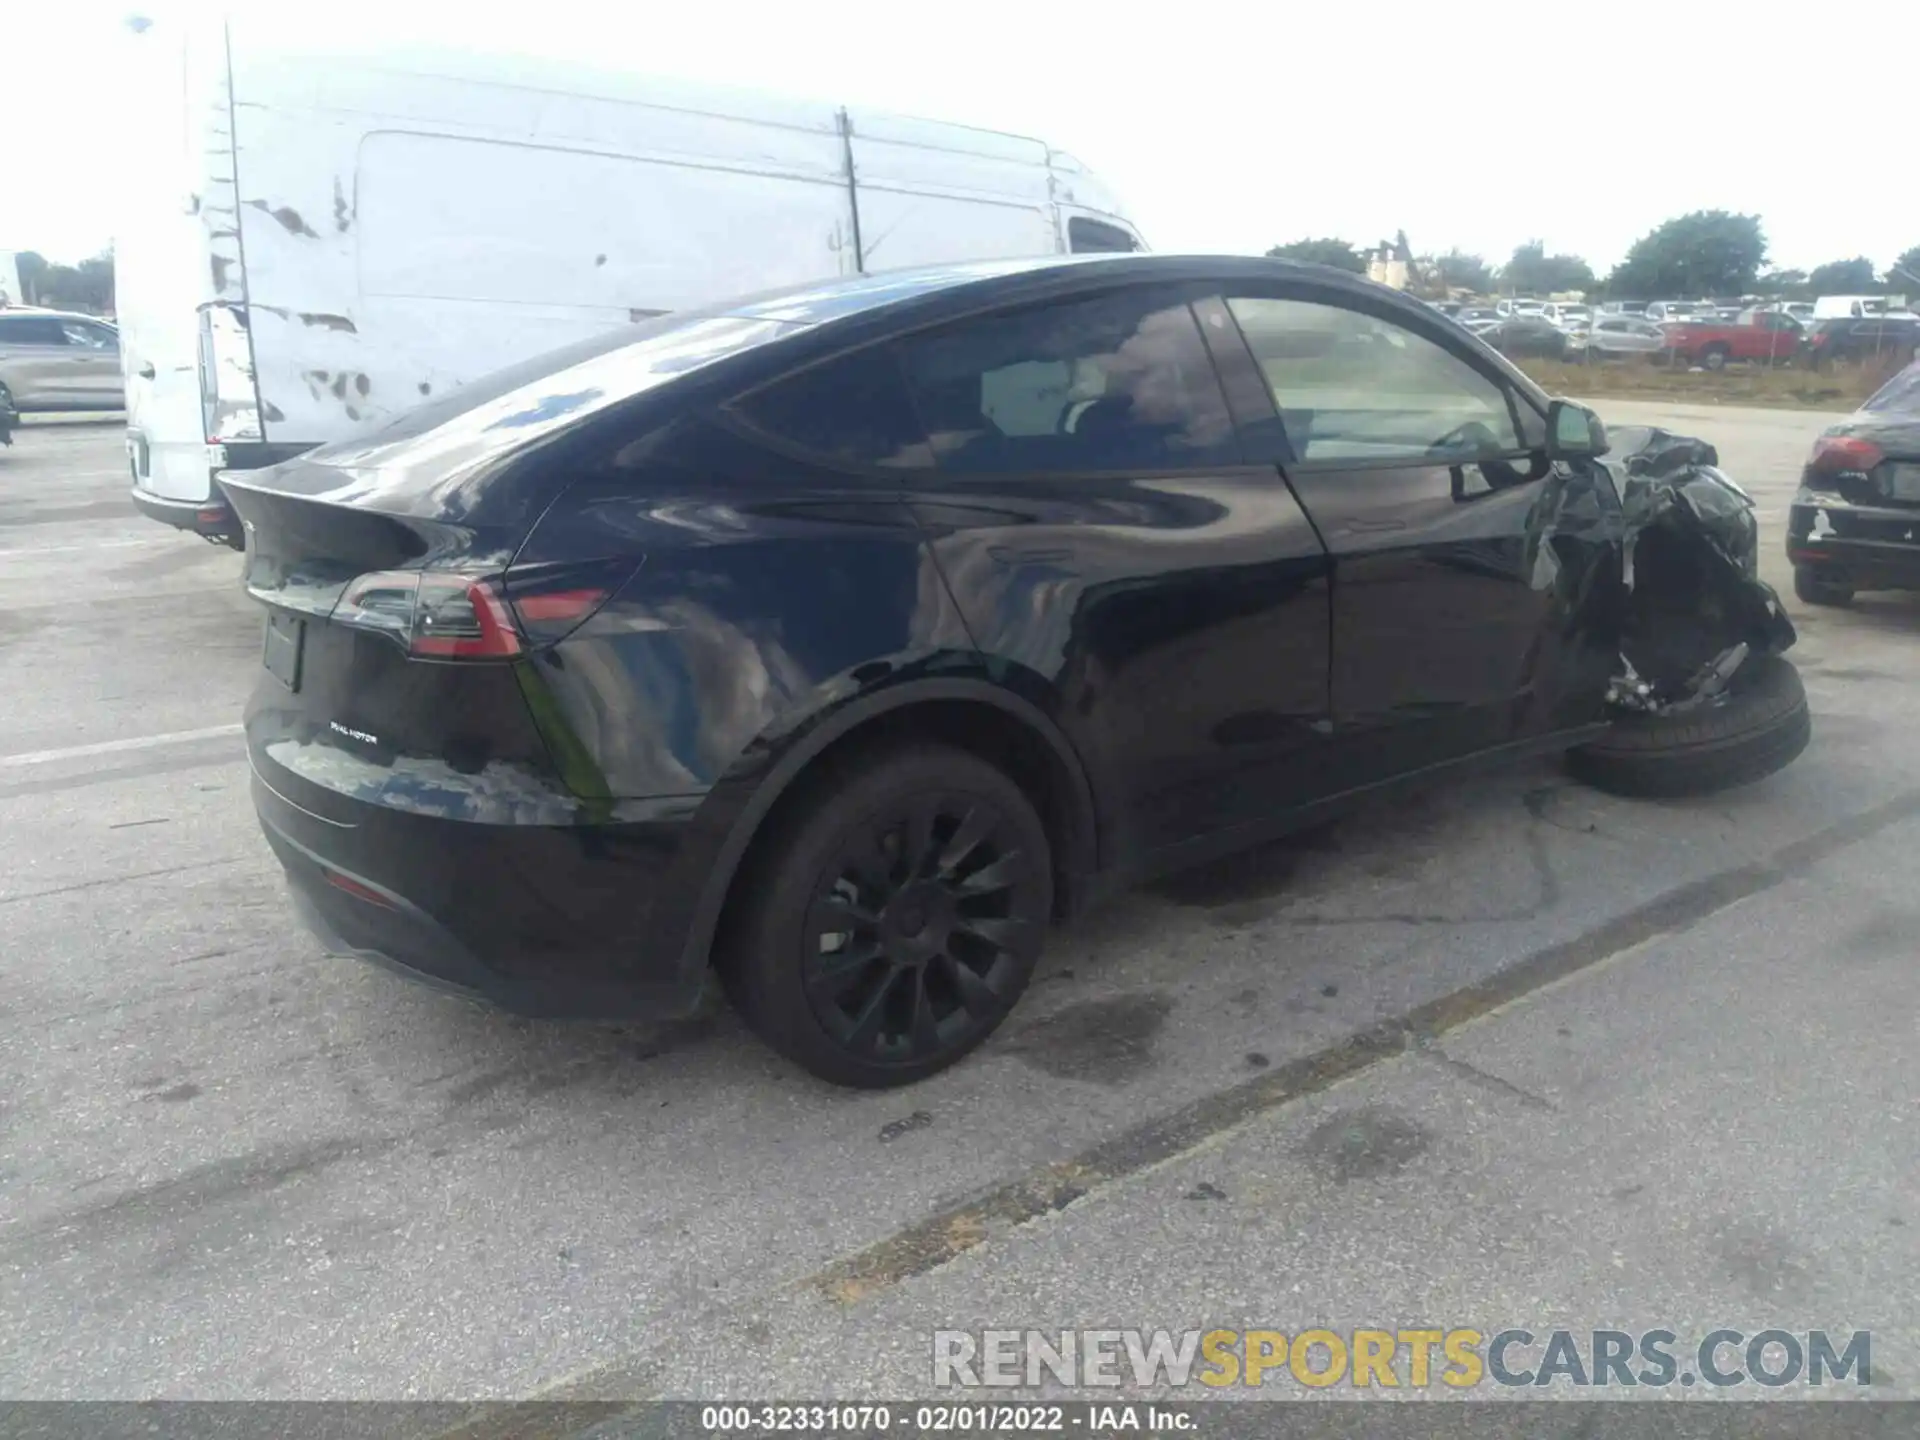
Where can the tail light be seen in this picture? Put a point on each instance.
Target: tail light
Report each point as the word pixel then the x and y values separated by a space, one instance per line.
pixel 448 616
pixel 1845 454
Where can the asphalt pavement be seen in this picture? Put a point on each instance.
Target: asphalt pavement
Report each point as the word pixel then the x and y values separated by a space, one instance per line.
pixel 1505 1053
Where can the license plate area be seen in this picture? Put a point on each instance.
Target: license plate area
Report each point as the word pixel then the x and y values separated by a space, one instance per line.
pixel 1903 482
pixel 281 648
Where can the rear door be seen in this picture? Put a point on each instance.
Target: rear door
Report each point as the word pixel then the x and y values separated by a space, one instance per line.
pixel 94 365
pixel 34 360
pixel 1418 463
pixel 1108 545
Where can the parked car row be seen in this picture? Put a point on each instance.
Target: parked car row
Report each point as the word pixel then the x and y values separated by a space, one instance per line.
pixel 1687 333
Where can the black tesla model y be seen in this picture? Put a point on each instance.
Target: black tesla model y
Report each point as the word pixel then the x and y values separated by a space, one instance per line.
pixel 828 645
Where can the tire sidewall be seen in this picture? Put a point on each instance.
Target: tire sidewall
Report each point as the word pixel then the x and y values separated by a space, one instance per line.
pixel 761 963
pixel 1760 727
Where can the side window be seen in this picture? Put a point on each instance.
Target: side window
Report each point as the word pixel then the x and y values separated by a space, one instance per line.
pixel 1096 237
pixel 1351 386
pixel 1123 382
pixel 90 337
pixel 31 330
pixel 854 410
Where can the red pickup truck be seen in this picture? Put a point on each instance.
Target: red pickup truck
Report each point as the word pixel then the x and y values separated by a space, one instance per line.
pixel 1767 336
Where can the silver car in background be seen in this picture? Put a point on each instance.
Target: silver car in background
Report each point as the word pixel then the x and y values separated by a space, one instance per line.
pixel 54 360
pixel 1624 337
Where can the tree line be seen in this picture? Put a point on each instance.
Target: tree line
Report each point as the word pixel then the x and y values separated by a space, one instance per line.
pixel 1709 252
pixel 1705 253
pixel 86 286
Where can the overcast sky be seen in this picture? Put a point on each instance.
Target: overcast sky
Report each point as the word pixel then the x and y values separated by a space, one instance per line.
pixel 1478 124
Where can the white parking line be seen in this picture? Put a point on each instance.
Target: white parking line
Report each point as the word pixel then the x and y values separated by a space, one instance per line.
pixel 115 747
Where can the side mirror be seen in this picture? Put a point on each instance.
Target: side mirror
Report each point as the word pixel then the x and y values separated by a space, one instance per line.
pixel 1574 432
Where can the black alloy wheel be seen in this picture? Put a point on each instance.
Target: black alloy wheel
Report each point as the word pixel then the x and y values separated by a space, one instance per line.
pixel 904 911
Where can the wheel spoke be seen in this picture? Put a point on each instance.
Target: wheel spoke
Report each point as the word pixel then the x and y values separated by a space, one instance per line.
pixel 976 996
pixel 866 1025
pixel 871 867
pixel 925 1034
pixel 1000 931
pixel 999 875
pixel 835 912
pixel 974 828
pixel 829 975
pixel 918 837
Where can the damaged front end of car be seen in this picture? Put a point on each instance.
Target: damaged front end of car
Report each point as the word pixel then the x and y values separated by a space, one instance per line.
pixel 1693 607
pixel 1698 696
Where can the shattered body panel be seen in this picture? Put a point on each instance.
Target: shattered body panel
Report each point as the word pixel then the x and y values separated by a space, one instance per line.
pixel 1690 608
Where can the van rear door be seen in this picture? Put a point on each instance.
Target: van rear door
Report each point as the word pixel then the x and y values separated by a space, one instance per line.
pixel 161 271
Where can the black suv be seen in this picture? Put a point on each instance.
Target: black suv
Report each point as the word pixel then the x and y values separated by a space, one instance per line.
pixel 836 641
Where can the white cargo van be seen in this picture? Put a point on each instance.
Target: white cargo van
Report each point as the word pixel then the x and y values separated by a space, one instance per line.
pixel 1842 307
pixel 321 235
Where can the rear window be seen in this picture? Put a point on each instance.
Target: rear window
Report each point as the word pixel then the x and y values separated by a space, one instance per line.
pixel 544 394
pixel 854 410
pixel 1122 382
pixel 31 330
pixel 1900 395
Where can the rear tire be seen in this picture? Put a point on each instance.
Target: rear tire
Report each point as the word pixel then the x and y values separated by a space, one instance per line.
pixel 1714 357
pixel 1810 587
pixel 892 918
pixel 1760 725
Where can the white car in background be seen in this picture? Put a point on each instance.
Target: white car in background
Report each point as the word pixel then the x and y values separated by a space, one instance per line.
pixel 1670 310
pixel 1570 317
pixel 1624 337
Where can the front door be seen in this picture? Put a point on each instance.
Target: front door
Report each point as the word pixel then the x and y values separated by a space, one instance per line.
pixel 1421 467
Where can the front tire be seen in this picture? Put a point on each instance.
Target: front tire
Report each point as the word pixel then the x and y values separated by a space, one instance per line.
pixel 1755 729
pixel 893 917
pixel 1810 587
pixel 1714 357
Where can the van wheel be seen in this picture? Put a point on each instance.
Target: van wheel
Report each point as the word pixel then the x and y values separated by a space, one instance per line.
pixel 893 917
pixel 1808 585
pixel 1759 725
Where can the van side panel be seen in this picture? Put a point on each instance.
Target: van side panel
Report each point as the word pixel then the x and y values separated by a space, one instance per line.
pixel 406 233
pixel 930 193
pixel 412 219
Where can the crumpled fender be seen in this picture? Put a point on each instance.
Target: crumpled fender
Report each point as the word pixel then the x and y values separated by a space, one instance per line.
pixel 1653 555
pixel 1674 481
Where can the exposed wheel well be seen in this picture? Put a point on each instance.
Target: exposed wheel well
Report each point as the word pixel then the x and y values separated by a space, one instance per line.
pixel 977 726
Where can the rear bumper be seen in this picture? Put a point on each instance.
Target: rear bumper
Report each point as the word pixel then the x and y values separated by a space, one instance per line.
pixel 1867 547
pixel 212 517
pixel 544 920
